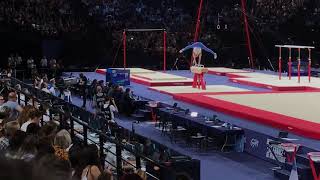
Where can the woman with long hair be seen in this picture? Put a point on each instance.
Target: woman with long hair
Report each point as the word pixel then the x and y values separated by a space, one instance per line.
pixel 28 149
pixel 24 115
pixel 89 167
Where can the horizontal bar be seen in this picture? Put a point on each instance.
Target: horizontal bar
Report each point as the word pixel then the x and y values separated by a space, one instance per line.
pixel 294 46
pixel 143 30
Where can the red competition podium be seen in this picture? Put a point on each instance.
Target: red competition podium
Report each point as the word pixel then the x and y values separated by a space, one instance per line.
pixel 198 78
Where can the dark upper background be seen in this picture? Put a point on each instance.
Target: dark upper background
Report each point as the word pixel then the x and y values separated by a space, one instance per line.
pixel 88 32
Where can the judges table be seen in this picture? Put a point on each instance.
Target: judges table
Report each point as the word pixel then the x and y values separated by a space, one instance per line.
pixel 230 136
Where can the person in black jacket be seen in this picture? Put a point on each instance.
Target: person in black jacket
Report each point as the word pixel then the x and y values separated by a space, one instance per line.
pixel 127 103
pixel 82 88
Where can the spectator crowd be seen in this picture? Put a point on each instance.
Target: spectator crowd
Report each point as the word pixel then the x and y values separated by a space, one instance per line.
pixel 267 18
pixel 50 18
pixel 33 150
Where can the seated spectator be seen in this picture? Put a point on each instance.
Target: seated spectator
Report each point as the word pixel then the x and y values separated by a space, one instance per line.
pixel 106 176
pixel 44 148
pixel 9 129
pixel 33 129
pixel 44 62
pixel 13 105
pixel 12 169
pixel 142 174
pixel 52 86
pixel 89 164
pixel 75 157
pixel 131 176
pixel 28 149
pixel 61 144
pixel 50 167
pixel 48 132
pixel 44 87
pixel 117 94
pixel 34 117
pixel 4 115
pixel 66 95
pixel 15 142
pixel 24 115
pixel 1 100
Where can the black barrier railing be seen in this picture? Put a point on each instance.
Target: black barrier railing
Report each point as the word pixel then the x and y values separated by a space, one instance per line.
pixel 71 116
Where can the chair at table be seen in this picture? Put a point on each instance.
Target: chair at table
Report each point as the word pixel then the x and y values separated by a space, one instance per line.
pixel 209 142
pixel 164 124
pixel 198 139
pixel 176 132
pixel 194 137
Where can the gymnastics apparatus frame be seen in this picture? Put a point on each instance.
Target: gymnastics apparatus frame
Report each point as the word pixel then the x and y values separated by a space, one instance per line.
pixel 290 47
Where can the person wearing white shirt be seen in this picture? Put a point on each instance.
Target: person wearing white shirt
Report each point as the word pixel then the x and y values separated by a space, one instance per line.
pixel 35 116
pixel 52 86
pixel 44 62
pixel 45 87
pixel 66 95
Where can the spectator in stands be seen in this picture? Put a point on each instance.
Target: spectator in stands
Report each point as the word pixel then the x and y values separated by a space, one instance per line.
pixel 15 169
pixel 13 105
pixel 61 144
pixel 98 99
pixel 89 167
pixel 109 108
pixel 50 167
pixel 15 142
pixel 9 130
pixel 117 94
pixel 52 86
pixel 48 132
pixel 127 103
pixel 131 176
pixel 44 87
pixel 53 63
pixel 24 115
pixel 76 159
pixel 93 90
pixel 66 95
pixel 34 117
pixel 82 88
pixel 33 129
pixel 28 149
pixel 44 62
pixel 4 115
pixel 111 89
pixel 142 174
pixel 1 100
pixel 106 175
pixel 18 60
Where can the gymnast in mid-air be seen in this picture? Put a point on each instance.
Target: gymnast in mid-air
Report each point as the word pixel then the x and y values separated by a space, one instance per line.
pixel 197 52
